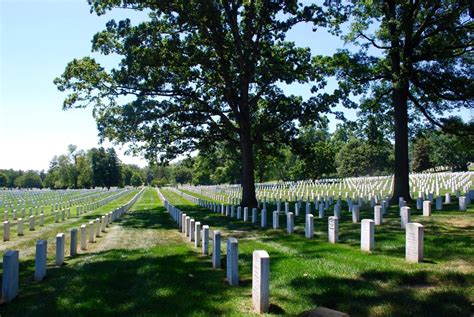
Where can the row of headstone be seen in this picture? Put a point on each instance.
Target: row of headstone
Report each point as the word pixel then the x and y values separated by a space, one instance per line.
pixel 414 242
pixel 260 261
pixel 10 276
pixel 59 215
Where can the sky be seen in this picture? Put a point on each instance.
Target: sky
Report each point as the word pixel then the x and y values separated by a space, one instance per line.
pixel 37 40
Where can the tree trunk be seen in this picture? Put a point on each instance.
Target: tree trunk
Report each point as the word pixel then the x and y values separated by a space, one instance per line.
pixel 401 185
pixel 400 84
pixel 247 173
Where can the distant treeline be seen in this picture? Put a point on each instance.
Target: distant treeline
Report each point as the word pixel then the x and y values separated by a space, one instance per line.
pixel 77 169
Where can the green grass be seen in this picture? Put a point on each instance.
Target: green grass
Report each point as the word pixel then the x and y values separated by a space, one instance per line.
pixel 157 272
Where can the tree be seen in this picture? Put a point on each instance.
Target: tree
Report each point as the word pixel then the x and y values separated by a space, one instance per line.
pixel 136 180
pixel 315 151
pixel 197 76
pixel 182 174
pixel 84 169
pixel 12 175
pixel 113 175
pixel 3 180
pixel 358 157
pixel 452 150
pixel 424 64
pixel 105 167
pixel 30 179
pixel 421 155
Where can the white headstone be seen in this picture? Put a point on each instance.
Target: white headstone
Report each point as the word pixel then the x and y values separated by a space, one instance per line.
pixel 83 237
pixel 427 208
pixel 378 215
pixel 197 234
pixel 355 214
pixel 205 239
pixel 309 228
pixel 232 262
pixel 276 219
pixel 261 281
pixel 6 231
pixel 414 242
pixel 10 275
pixel 73 242
pixel 405 216
pixel 333 229
pixel 40 262
pixel 367 241
pixel 20 227
pixel 216 250
pixel 91 232
pixel 290 222
pixel 263 222
pixel 462 203
pixel 60 241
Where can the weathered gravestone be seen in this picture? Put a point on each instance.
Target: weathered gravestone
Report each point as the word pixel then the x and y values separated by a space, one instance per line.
pixel 333 229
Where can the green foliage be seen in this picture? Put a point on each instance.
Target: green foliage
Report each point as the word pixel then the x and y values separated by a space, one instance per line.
pixel 194 78
pixel 136 180
pixel 30 179
pixel 415 59
pixel 11 175
pixel 105 167
pixel 360 158
pixel 421 155
pixel 3 180
pixel 182 174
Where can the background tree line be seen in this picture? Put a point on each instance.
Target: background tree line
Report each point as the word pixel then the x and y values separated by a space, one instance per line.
pixel 96 167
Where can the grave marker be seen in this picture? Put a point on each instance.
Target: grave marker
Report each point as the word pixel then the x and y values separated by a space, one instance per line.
pixel 414 242
pixel 232 262
pixel 367 241
pixel 260 281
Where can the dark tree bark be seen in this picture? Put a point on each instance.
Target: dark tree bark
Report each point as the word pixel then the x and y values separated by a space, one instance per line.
pixel 248 179
pixel 246 152
pixel 401 182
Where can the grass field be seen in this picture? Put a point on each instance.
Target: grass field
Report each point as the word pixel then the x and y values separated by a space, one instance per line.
pixel 144 266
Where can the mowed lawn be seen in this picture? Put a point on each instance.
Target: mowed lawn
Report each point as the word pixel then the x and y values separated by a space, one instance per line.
pixel 144 266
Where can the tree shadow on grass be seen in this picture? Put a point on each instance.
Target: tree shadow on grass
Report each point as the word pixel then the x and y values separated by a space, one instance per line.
pixel 123 283
pixel 396 293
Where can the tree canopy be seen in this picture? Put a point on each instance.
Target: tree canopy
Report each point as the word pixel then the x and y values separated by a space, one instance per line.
pixel 196 77
pixel 415 57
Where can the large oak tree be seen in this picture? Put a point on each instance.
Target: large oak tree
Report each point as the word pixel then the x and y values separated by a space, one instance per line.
pixel 416 57
pixel 195 73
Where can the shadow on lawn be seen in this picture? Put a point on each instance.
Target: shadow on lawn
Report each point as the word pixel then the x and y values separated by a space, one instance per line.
pixel 170 280
pixel 123 283
pixel 396 293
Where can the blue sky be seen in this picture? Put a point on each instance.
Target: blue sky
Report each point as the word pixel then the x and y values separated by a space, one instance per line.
pixel 37 39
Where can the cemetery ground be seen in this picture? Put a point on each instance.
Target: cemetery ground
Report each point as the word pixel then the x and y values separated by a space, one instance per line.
pixel 144 266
